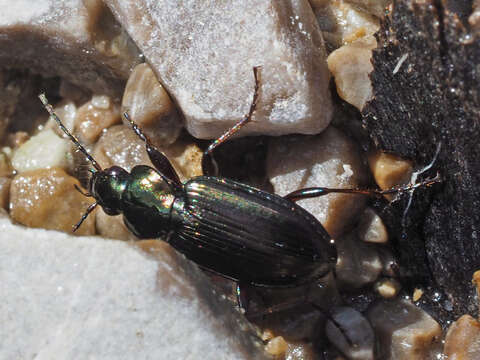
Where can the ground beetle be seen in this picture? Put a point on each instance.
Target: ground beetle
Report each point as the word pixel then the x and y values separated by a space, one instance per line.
pixel 226 227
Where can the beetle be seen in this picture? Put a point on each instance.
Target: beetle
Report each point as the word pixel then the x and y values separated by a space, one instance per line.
pixel 229 228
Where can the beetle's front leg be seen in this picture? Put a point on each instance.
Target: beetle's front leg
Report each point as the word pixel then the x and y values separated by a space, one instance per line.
pixel 160 161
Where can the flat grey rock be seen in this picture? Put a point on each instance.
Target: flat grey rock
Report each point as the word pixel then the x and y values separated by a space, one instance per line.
pixel 67 297
pixel 204 52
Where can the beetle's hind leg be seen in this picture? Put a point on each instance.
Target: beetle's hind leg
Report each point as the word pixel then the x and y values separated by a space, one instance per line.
pixel 320 191
pixel 160 161
pixel 209 165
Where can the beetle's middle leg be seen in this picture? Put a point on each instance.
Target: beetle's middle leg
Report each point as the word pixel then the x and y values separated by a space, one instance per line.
pixel 209 165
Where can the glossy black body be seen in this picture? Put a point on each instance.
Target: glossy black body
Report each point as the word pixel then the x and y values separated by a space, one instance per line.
pixel 230 228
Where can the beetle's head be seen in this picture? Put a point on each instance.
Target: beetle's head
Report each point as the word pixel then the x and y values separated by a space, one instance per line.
pixel 107 186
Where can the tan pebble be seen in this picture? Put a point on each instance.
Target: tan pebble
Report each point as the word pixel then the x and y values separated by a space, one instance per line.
pixel 4 192
pixel 17 139
pixel 463 339
pixel 46 198
pixel 417 294
pixel 371 227
pixel 351 65
pixel 267 334
pixel 5 165
pixel 390 170
pixel 276 346
pixel 94 116
pixel 387 288
pixel 186 158
pixel 149 105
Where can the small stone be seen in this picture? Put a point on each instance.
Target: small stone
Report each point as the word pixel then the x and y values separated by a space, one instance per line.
pixel 388 288
pixel 46 198
pixel 351 66
pixel 5 165
pixel 5 192
pixel 204 54
pixel 327 160
pixel 390 170
pixel 463 339
pixel 149 105
pixel 276 346
pixel 94 117
pixel 76 40
pixel 342 22
pixel 404 331
pixel 42 151
pixel 351 333
pixel 374 7
pixel 417 294
pixel 17 139
pixel 358 263
pixel 267 334
pixel 371 227
pixel 300 351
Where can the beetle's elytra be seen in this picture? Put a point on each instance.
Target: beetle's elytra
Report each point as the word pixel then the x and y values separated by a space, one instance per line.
pixel 229 228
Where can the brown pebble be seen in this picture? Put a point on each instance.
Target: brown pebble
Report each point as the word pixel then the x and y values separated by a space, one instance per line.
pixel 276 346
pixel 149 105
pixel 463 339
pixel 390 170
pixel 17 138
pixel 46 198
pixel 4 192
pixel 94 116
pixel 5 165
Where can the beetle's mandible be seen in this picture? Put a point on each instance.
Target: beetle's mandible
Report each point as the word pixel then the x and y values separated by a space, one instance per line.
pixel 232 229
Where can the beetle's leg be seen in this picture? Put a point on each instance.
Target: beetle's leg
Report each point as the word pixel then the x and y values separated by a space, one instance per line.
pixel 209 165
pixel 160 161
pixel 320 191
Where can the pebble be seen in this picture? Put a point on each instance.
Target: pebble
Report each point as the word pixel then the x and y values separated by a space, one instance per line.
pixel 351 333
pixel 390 170
pixel 350 66
pixel 204 55
pixel 66 110
pixel 404 331
pixel 93 117
pixel 76 40
pixel 5 192
pixel 149 105
pixel 46 198
pixel 67 297
pixel 276 346
pixel 342 22
pixel 42 151
pixel 463 339
pixel 387 288
pixel 328 160
pixel 374 7
pixel 358 263
pixel 371 227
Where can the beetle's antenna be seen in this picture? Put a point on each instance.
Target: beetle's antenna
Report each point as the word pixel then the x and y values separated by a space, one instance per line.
pixel 84 216
pixel 79 146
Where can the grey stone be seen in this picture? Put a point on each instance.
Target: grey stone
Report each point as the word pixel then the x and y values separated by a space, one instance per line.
pixel 84 298
pixel 203 52
pixel 328 160
pixel 75 39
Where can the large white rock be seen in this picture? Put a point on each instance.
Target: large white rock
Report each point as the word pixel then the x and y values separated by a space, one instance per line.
pixel 204 51
pixel 67 297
